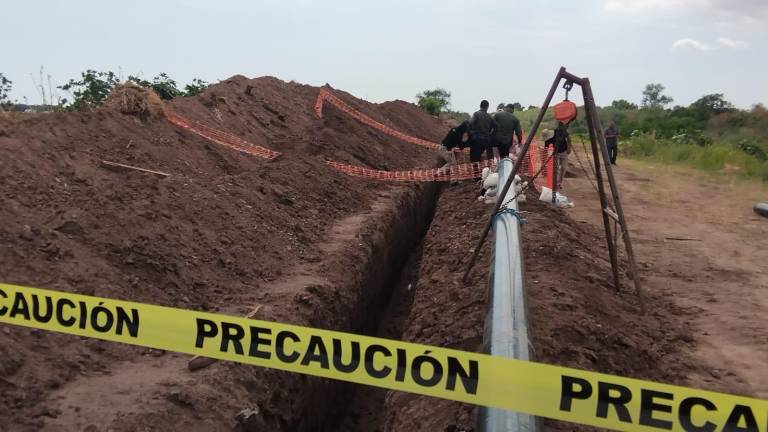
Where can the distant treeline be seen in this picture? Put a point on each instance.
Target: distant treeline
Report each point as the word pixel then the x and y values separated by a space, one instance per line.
pixel 710 133
pixel 91 89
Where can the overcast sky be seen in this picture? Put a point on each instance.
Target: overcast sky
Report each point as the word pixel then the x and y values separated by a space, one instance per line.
pixel 504 51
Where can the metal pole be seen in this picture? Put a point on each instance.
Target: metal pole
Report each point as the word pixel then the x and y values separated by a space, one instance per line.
pixel 515 169
pixel 590 109
pixel 615 192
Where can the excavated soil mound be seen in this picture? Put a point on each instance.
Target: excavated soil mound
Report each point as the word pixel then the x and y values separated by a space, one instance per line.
pixel 219 234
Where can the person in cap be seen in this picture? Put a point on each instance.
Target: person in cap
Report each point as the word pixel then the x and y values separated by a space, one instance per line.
pixel 546 136
pixel 507 126
pixel 480 127
pixel 560 139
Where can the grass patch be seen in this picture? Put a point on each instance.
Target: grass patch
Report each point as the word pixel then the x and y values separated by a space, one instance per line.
pixel 717 157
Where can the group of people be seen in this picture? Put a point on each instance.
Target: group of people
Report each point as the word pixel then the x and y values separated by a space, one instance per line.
pixel 497 130
pixel 487 131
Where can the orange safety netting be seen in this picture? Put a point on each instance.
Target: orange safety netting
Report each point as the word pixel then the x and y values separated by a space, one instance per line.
pixel 529 167
pixel 325 95
pixel 220 137
pixel 462 171
pixel 452 173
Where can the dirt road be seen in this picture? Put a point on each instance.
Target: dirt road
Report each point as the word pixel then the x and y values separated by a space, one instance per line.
pixel 717 274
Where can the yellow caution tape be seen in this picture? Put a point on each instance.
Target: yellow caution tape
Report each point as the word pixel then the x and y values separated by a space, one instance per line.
pixel 543 390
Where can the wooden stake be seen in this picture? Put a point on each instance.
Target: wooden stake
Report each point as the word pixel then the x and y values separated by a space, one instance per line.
pixel 123 167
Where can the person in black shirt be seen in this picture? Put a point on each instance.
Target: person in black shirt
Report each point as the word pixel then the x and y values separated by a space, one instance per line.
pixel 480 126
pixel 453 139
pixel 455 136
pixel 507 125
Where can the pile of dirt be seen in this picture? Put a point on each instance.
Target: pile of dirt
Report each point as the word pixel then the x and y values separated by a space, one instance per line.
pixel 135 100
pixel 223 232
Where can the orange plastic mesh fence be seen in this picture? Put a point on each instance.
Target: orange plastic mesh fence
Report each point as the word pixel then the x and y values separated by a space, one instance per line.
pixel 460 171
pixel 220 137
pixel 529 167
pixel 325 95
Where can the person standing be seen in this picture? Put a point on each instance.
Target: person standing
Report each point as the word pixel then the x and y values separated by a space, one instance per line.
pixel 507 126
pixel 612 141
pixel 480 127
pixel 561 140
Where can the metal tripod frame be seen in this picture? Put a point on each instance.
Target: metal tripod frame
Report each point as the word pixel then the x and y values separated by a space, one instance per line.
pixel 599 151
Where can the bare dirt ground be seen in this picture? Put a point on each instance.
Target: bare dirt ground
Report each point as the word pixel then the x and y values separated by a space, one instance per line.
pixel 717 277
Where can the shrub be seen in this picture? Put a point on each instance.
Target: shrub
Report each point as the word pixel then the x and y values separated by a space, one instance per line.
pixel 5 88
pixel 434 101
pixel 90 91
pixel 196 87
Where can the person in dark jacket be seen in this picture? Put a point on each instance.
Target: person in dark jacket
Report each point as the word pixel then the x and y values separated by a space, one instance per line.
pixel 507 126
pixel 453 139
pixel 480 127
pixel 612 141
pixel 455 136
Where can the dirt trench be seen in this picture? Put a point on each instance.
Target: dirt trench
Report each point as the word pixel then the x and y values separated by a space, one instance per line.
pixel 431 304
pixel 347 291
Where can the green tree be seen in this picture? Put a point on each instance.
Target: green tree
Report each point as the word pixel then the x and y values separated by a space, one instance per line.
pixel 623 105
pixel 162 84
pixel 198 86
pixel 5 88
pixel 712 104
pixel 91 90
pixel 517 106
pixel 139 81
pixel 165 87
pixel 653 97
pixel 434 101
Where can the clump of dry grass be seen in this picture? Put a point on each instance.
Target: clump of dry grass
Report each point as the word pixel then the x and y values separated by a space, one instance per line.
pixel 8 118
pixel 135 100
